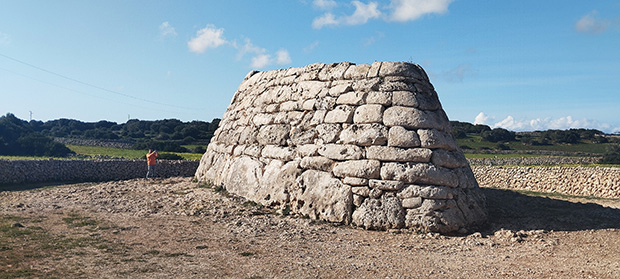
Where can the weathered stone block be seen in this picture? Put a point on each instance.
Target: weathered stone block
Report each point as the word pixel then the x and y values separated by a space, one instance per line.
pixel 413 118
pixel 317 163
pixel 449 159
pixel 368 114
pixel 364 134
pixel 341 151
pixel 340 114
pixel 320 196
pixel 355 181
pixel 419 173
pixel 386 185
pixel 328 133
pixel 352 98
pixel 275 134
pixel 387 153
pixel 398 136
pixel 358 168
pixel 379 98
pixel 384 213
pixel 432 138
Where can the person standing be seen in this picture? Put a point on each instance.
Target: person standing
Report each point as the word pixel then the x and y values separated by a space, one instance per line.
pixel 150 161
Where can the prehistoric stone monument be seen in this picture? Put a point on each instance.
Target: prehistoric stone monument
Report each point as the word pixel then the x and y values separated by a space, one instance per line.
pixel 363 144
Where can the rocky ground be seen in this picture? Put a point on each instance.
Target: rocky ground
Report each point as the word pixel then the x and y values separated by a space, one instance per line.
pixel 173 228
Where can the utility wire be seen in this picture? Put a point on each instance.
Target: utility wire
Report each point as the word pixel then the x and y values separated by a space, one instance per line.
pixel 84 93
pixel 92 85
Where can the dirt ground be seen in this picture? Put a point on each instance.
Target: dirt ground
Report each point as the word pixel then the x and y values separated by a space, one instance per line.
pixel 172 228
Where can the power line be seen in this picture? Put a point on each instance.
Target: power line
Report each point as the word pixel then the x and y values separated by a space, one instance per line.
pixel 84 93
pixel 92 85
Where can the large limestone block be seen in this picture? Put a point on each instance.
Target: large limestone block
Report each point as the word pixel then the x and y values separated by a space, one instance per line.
pixel 275 184
pixel 387 153
pixel 341 152
pixel 276 134
pixel 449 159
pixel 380 214
pixel 317 163
pixel 364 134
pixel 319 195
pixel 413 118
pixel 432 138
pixel 358 168
pixel 328 133
pixel 368 114
pixel 352 98
pixel 340 114
pixel 419 173
pixel 243 176
pixel 357 71
pixel 402 69
pixel 398 136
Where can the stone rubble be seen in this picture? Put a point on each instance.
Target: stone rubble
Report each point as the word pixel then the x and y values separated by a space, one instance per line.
pixel 363 144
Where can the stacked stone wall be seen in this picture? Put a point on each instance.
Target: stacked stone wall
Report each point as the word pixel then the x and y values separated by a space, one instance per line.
pixel 34 171
pixel 362 144
pixel 534 161
pixel 583 181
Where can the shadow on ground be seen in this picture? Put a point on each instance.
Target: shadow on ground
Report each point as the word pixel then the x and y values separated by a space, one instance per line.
pixel 515 211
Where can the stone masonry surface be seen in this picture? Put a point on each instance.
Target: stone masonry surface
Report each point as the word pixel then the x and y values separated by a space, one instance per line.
pixel 35 171
pixel 582 181
pixel 368 145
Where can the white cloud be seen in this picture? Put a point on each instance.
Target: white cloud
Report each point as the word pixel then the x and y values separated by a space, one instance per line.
pixel 406 10
pixel 363 12
pixel 212 37
pixel 249 48
pixel 481 119
pixel 324 4
pixel 592 23
pixel 4 39
pixel 361 15
pixel 261 58
pixel 166 30
pixel 261 61
pixel 208 37
pixel 283 57
pixel 541 124
pixel 326 19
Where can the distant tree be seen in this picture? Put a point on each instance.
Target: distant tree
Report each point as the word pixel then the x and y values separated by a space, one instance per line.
pixel 497 135
pixel 18 138
pixel 612 156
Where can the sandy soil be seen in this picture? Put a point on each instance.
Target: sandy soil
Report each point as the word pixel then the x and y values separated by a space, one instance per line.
pixel 171 228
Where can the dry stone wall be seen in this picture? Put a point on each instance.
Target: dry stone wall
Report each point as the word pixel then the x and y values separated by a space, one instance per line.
pixel 34 171
pixel 363 144
pixel 583 181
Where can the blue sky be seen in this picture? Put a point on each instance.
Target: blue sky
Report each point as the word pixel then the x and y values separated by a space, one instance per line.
pixel 521 65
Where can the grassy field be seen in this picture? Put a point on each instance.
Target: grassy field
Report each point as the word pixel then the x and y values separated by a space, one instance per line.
pixel 476 142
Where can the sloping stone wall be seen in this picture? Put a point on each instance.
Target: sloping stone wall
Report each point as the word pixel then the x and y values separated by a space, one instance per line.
pixel 362 144
pixel 34 171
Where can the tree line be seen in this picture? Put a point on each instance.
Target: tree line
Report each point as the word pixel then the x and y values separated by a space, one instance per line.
pixel 29 138
pixel 548 137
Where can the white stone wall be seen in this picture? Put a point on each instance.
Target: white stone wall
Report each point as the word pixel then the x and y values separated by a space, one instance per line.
pixel 362 144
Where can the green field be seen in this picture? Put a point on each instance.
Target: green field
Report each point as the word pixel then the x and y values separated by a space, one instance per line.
pixel 476 143
pixel 123 153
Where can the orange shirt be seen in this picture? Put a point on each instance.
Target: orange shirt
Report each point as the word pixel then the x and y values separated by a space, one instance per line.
pixel 151 158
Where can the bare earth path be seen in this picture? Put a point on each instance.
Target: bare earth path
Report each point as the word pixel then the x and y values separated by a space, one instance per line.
pixel 171 228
